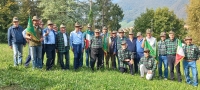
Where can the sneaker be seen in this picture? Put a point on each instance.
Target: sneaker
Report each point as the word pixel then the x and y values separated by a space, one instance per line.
pixel 165 78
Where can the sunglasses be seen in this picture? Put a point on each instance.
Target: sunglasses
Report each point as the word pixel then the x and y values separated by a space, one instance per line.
pixel 146 52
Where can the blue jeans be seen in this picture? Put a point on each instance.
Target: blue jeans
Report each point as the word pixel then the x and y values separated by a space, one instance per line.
pixel 17 50
pixel 163 59
pixel 87 52
pixel 77 49
pixel 139 55
pixel 60 58
pixel 36 56
pixel 81 60
pixel 193 66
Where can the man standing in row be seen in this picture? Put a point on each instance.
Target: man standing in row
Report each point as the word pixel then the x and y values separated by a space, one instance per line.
pixel 35 45
pixel 77 45
pixel 171 45
pixel 88 34
pixel 120 38
pixel 192 53
pixel 162 50
pixel 62 47
pixel 49 41
pixel 105 38
pixel 16 41
pixel 113 48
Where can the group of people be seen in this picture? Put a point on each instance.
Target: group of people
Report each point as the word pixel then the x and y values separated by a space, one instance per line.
pixel 124 52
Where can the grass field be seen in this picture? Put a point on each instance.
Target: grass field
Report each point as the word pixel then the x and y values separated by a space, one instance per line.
pixel 21 78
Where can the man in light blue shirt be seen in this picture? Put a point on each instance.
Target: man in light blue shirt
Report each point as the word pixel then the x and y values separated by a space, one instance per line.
pixel 77 45
pixel 49 42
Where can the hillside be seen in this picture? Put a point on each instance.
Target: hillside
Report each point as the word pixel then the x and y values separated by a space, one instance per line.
pixel 133 8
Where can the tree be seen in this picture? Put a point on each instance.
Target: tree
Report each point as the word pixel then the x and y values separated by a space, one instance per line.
pixel 160 20
pixel 193 20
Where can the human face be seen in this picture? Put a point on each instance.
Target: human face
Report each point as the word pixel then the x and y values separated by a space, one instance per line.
pixel 148 35
pixel 36 22
pixel 104 31
pixel 130 36
pixel 76 28
pixel 114 34
pixel 16 23
pixel 139 37
pixel 146 53
pixel 55 28
pixel 123 46
pixel 171 36
pixel 188 41
pixel 163 38
pixel 96 34
pixel 121 34
pixel 62 29
pixel 50 26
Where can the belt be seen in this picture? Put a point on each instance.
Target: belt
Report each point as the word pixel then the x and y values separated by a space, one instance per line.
pixel 162 54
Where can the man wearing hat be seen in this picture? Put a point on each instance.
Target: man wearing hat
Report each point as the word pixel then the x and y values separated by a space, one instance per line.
pixel 147 65
pixel 120 38
pixel 96 50
pixel 77 45
pixel 105 36
pixel 16 41
pixel 113 48
pixel 49 41
pixel 192 53
pixel 150 39
pixel 36 46
pixel 126 58
pixel 171 45
pixel 62 47
pixel 131 43
pixel 162 50
pixel 88 34
pixel 139 50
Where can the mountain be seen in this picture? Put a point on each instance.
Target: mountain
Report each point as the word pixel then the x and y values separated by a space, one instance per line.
pixel 133 8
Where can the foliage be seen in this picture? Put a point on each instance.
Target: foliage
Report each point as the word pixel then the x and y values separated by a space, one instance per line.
pixel 21 78
pixel 193 20
pixel 160 20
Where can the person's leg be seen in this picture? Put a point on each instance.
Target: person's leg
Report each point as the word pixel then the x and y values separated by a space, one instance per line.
pixel 107 59
pixel 165 61
pixel 118 61
pixel 60 56
pixel 99 57
pixel 48 50
pixel 87 56
pixel 186 72
pixel 122 70
pixel 53 56
pixel 20 53
pixel 171 66
pixel 143 70
pixel 92 59
pixel 43 52
pixel 178 71
pixel 76 56
pixel 194 73
pixel 113 60
pixel 28 59
pixel 131 69
pixel 160 66
pixel 15 54
pixel 67 59
pixel 39 56
pixel 33 56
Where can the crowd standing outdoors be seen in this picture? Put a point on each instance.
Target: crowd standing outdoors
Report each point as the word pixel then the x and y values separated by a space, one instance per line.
pixel 124 52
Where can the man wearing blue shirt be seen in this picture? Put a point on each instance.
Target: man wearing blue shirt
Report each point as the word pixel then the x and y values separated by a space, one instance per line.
pixel 139 50
pixel 77 45
pixel 16 41
pixel 49 41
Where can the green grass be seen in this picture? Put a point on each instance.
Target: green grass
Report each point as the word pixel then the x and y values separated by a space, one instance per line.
pixel 20 78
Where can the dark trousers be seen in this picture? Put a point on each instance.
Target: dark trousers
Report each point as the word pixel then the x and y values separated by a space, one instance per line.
pixel 123 69
pixel 60 58
pixel 107 57
pixel 139 55
pixel 43 52
pixel 77 49
pixel 171 62
pixel 50 53
pixel 118 61
pixel 87 52
pixel 113 60
pixel 81 60
pixel 96 54
pixel 28 59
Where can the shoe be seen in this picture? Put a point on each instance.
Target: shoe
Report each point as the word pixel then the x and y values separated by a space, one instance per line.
pixel 165 79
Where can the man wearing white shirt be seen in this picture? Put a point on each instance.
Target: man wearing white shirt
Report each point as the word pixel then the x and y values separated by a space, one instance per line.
pixel 62 47
pixel 152 40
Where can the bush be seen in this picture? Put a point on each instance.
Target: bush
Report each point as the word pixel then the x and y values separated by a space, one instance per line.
pixel 3 37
